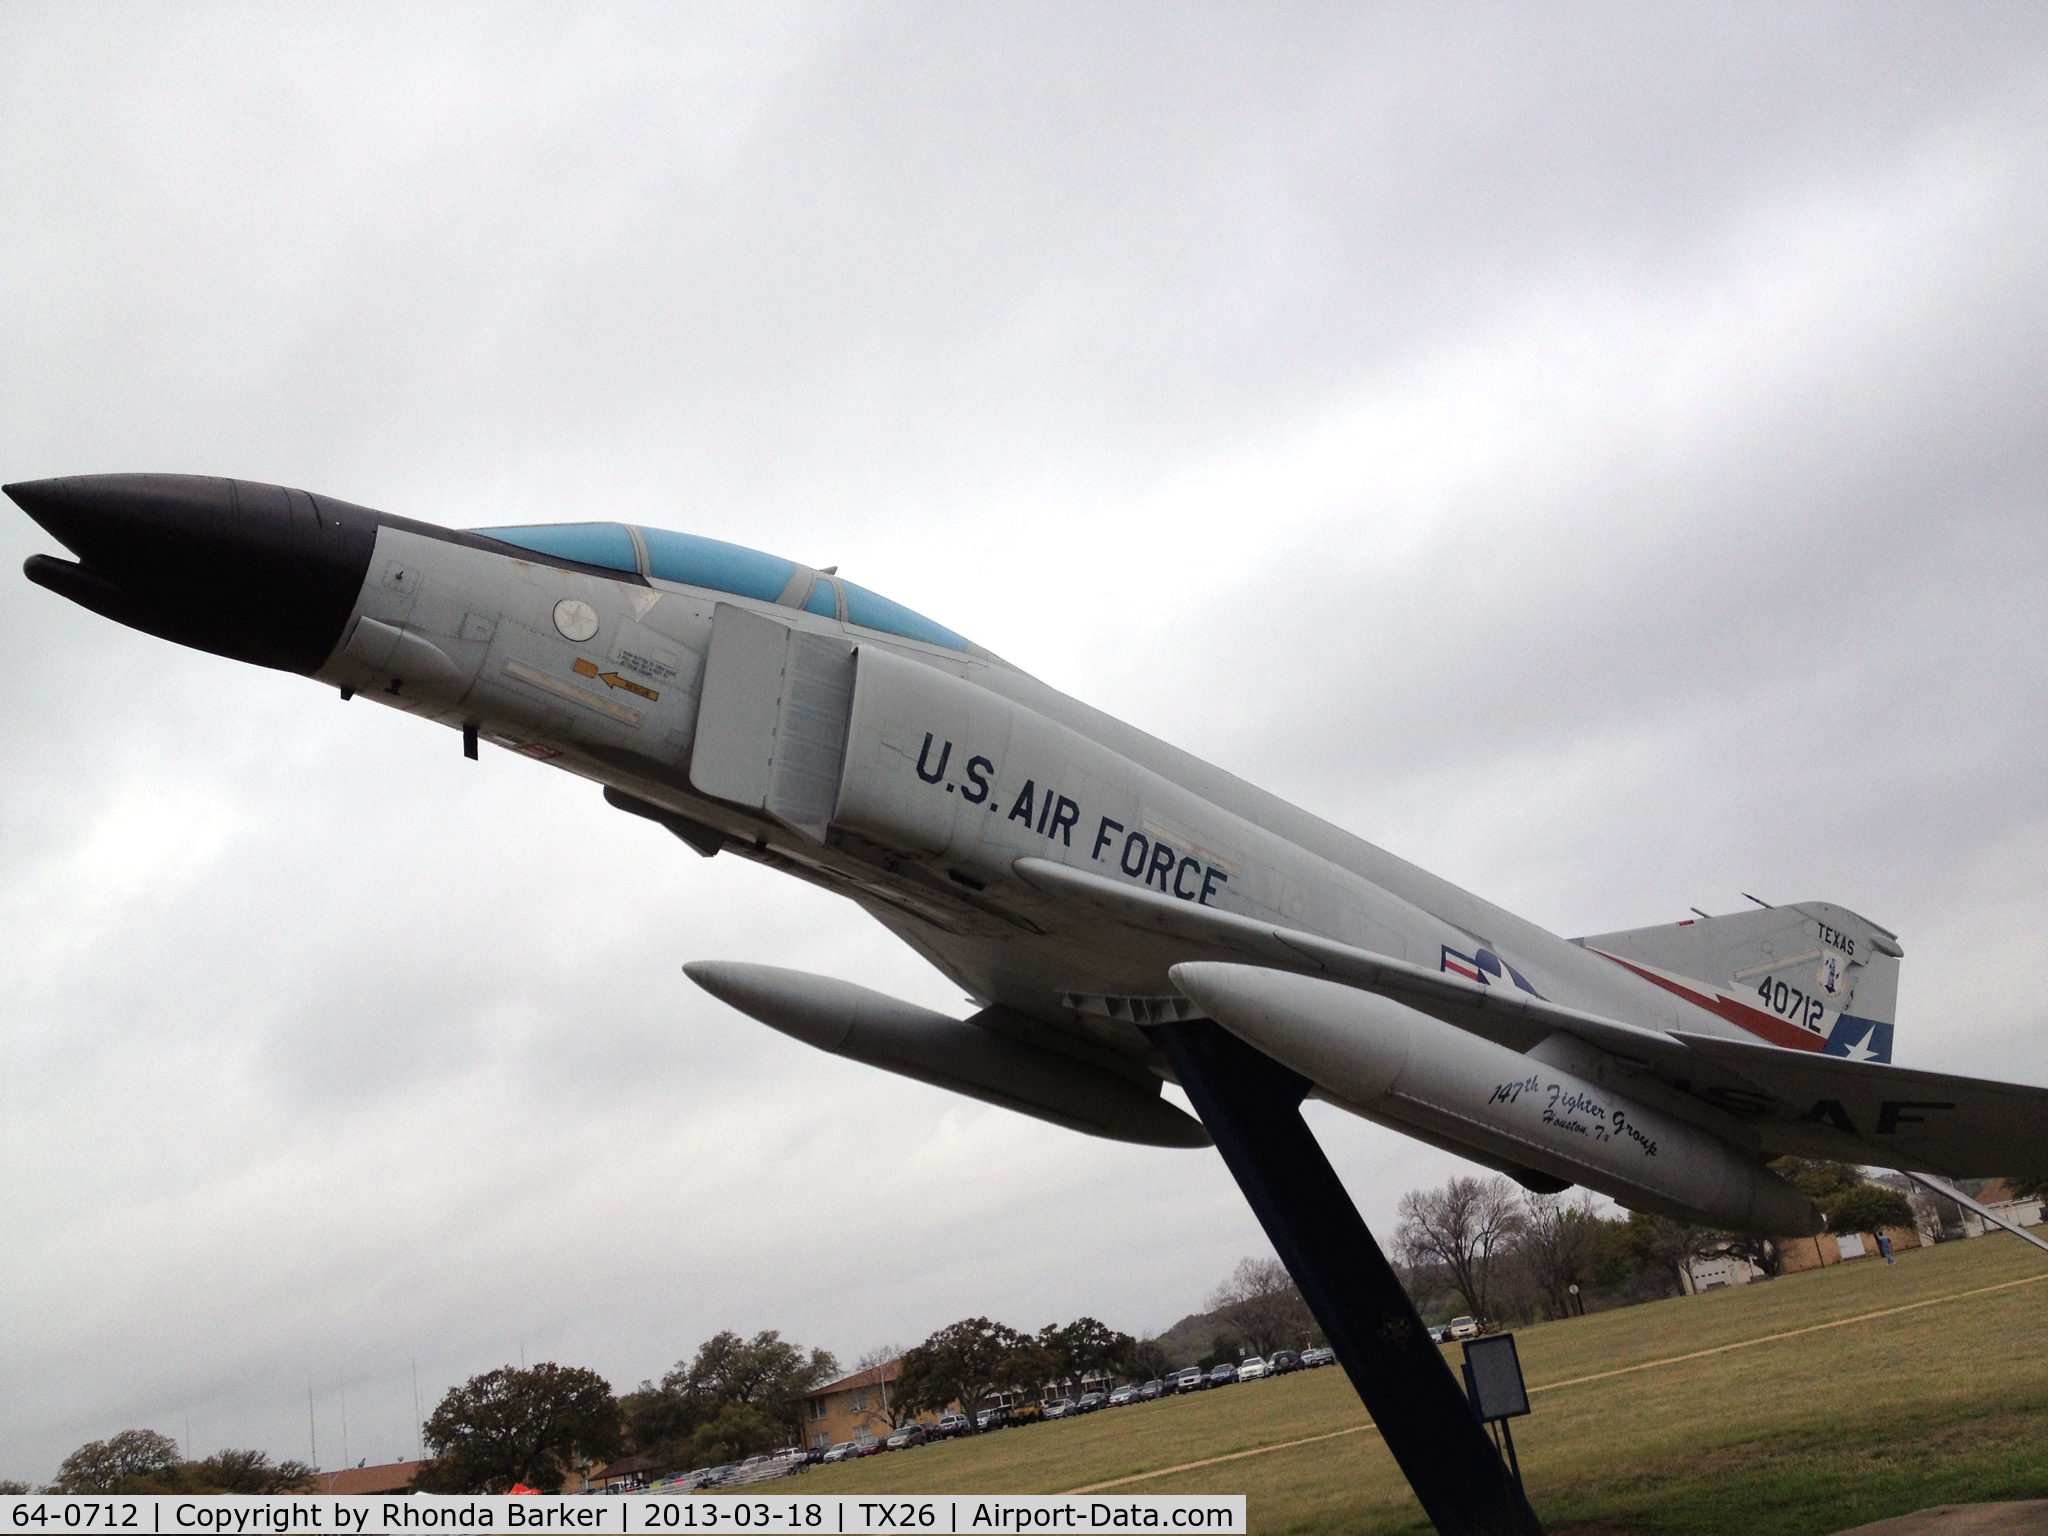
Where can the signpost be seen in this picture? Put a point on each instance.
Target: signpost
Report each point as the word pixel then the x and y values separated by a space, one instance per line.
pixel 1493 1382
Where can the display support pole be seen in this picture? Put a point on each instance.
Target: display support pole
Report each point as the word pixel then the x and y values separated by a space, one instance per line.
pixel 1514 1466
pixel 1251 1106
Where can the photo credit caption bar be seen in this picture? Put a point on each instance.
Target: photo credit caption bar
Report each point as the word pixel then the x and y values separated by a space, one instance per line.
pixel 856 1514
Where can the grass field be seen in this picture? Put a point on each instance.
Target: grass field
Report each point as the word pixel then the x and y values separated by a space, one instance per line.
pixel 1786 1425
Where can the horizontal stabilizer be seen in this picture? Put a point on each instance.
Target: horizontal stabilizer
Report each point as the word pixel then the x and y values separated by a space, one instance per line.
pixel 957 1054
pixel 1887 1116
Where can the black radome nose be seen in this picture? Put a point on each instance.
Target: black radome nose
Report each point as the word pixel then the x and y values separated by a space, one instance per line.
pixel 255 572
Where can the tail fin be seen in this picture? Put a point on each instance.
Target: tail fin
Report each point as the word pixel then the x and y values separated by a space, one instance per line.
pixel 1828 972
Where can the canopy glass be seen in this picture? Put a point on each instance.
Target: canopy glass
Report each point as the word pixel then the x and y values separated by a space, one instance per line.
pixel 691 561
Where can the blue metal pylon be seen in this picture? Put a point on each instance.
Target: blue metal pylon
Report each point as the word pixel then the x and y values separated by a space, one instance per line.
pixel 1252 1108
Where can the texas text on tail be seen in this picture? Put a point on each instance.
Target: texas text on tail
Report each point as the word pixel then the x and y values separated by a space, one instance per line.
pixel 1122 912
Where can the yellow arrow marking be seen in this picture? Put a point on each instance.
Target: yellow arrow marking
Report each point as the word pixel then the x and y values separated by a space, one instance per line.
pixel 613 680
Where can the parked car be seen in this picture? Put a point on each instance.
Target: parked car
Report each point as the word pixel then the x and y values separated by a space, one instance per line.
pixel 1059 1408
pixel 1321 1355
pixel 1252 1368
pixel 1189 1379
pixel 1151 1391
pixel 707 1477
pixel 951 1424
pixel 994 1418
pixel 1281 1361
pixel 910 1436
pixel 845 1450
pixel 1464 1328
pixel 1124 1395
pixel 1023 1413
pixel 1223 1375
pixel 869 1447
pixel 1090 1401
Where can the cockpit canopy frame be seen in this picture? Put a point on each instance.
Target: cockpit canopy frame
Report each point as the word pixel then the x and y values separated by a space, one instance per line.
pixel 663 557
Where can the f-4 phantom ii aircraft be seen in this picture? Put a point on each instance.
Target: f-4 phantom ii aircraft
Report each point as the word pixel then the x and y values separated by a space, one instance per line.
pixel 1122 912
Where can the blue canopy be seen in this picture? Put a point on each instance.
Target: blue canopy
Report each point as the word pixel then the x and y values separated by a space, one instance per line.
pixel 692 561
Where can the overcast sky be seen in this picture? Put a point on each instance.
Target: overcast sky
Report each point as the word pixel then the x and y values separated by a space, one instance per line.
pixel 1596 452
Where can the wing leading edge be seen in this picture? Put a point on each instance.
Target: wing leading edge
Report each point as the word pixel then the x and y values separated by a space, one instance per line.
pixel 1505 1015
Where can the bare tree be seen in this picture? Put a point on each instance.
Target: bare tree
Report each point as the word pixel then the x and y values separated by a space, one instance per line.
pixel 1463 1226
pixel 1261 1303
pixel 1557 1245
pixel 1147 1359
pixel 872 1369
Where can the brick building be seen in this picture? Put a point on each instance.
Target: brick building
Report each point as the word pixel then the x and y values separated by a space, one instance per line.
pixel 1798 1253
pixel 856 1407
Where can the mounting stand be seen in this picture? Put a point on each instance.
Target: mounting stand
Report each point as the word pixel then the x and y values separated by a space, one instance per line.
pixel 1252 1108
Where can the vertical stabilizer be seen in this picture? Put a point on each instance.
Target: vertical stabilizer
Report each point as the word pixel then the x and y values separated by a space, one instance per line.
pixel 1810 975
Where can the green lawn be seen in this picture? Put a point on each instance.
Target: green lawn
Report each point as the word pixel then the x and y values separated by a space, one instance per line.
pixel 1806 1434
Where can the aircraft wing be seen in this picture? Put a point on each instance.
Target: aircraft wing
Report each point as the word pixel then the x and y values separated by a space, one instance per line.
pixel 1506 1015
pixel 1893 1117
pixel 1800 1101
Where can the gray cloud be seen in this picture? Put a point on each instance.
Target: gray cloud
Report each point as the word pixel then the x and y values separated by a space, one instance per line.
pixel 1597 454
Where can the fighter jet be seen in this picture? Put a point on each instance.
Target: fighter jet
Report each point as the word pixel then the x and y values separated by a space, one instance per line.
pixel 1122 913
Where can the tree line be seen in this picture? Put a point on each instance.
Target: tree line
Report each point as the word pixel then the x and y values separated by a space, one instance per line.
pixel 538 1425
pixel 973 1362
pixel 533 1425
pixel 1495 1251
pixel 735 1398
pixel 1482 1246
pixel 140 1461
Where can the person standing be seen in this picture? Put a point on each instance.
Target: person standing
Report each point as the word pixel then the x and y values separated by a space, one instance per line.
pixel 1884 1246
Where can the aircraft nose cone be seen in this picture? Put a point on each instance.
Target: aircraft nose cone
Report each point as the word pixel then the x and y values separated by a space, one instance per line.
pixel 256 572
pixel 90 513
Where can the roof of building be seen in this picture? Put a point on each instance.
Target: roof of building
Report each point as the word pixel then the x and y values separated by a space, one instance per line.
pixel 388 1478
pixel 873 1376
pixel 628 1466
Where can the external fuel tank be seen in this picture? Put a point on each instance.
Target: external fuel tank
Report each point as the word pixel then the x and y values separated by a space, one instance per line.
pixel 1419 1074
